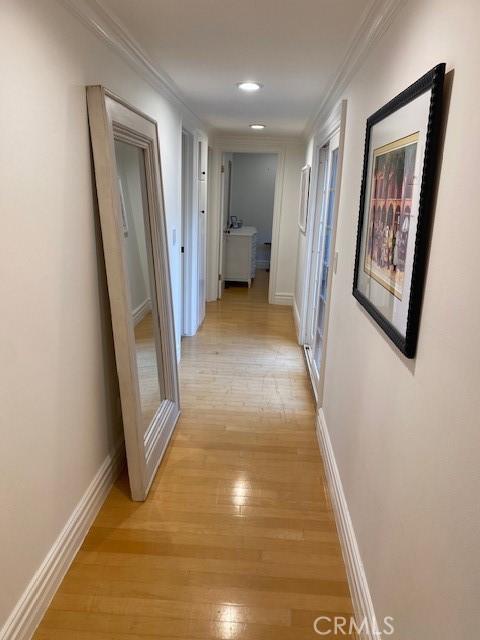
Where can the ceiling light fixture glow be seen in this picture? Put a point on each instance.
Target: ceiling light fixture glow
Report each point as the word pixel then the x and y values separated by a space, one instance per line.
pixel 257 126
pixel 249 86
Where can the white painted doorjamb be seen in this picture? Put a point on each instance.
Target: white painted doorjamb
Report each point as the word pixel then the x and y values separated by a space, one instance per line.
pixel 334 127
pixel 334 124
pixel 237 145
pixel 194 250
pixel 214 224
pixel 210 260
pixel 277 217
pixel 187 240
pixel 333 254
pixel 317 266
pixel 201 218
pixel 221 244
pixel 315 207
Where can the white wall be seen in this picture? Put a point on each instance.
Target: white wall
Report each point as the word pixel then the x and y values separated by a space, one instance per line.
pixel 253 192
pixel 291 155
pixel 59 393
pixel 406 434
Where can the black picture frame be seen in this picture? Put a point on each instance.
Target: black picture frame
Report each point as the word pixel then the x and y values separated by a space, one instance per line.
pixel 432 81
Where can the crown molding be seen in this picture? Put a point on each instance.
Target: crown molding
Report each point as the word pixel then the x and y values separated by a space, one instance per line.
pixel 375 21
pixel 92 14
pixel 378 16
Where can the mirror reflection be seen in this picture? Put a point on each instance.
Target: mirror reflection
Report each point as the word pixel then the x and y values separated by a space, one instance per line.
pixel 137 244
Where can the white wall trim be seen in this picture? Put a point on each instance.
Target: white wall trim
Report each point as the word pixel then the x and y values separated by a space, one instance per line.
pixel 357 579
pixel 109 29
pixel 34 601
pixel 141 311
pixel 378 16
pixel 296 319
pixel 282 298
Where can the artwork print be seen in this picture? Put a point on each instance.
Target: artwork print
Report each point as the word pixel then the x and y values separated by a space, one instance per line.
pixel 389 212
pixel 396 208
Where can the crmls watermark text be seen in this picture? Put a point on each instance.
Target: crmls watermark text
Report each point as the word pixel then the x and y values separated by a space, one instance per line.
pixel 341 625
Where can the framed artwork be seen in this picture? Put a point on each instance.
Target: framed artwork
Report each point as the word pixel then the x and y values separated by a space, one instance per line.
pixel 395 208
pixel 304 189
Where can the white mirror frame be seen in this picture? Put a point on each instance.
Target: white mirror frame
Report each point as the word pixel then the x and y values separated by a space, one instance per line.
pixel 112 119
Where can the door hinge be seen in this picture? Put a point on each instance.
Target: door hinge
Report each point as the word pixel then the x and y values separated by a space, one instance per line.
pixel 182 250
pixel 219 277
pixel 222 169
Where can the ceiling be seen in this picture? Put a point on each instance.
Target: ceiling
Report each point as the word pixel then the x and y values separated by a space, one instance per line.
pixel 294 48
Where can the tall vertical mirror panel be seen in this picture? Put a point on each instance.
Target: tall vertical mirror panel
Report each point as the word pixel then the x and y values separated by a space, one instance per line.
pixel 129 189
pixel 140 276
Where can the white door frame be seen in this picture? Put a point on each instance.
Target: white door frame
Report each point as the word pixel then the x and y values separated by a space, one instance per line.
pixel 321 161
pixel 216 232
pixel 318 257
pixel 193 298
pixel 186 239
pixel 225 177
pixel 334 126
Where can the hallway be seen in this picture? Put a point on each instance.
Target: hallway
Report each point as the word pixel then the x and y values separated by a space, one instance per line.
pixel 237 539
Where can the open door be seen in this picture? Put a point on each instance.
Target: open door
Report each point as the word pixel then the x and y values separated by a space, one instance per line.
pixel 321 262
pixel 225 216
pixel 132 216
pixel 202 159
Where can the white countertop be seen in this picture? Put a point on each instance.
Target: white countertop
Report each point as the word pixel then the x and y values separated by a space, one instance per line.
pixel 243 231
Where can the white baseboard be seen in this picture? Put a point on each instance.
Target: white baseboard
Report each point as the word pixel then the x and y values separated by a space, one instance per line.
pixel 141 311
pixel 34 601
pixel 283 298
pixel 296 319
pixel 360 592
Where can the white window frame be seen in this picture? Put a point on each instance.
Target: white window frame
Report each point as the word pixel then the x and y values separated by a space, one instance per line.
pixel 333 131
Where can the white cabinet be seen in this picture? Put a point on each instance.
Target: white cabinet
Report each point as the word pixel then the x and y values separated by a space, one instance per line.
pixel 241 249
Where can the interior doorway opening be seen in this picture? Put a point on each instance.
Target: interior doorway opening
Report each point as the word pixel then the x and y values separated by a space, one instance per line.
pixel 247 210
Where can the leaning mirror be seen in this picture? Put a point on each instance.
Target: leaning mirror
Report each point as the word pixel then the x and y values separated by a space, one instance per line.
pixel 132 216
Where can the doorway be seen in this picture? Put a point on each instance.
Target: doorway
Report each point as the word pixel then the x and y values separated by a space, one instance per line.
pixel 247 212
pixel 193 233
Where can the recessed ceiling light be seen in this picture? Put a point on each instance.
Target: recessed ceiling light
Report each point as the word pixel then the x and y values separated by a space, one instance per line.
pixel 249 86
pixel 257 126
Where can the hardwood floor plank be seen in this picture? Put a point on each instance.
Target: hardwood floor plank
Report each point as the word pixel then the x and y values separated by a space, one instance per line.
pixel 237 538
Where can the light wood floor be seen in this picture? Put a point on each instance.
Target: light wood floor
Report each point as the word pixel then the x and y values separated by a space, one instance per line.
pixel 237 537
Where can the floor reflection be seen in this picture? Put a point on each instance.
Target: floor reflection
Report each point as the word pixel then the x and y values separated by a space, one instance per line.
pixel 150 393
pixel 185 564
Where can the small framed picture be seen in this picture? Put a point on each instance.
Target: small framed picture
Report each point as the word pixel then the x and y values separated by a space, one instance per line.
pixel 304 189
pixel 395 208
